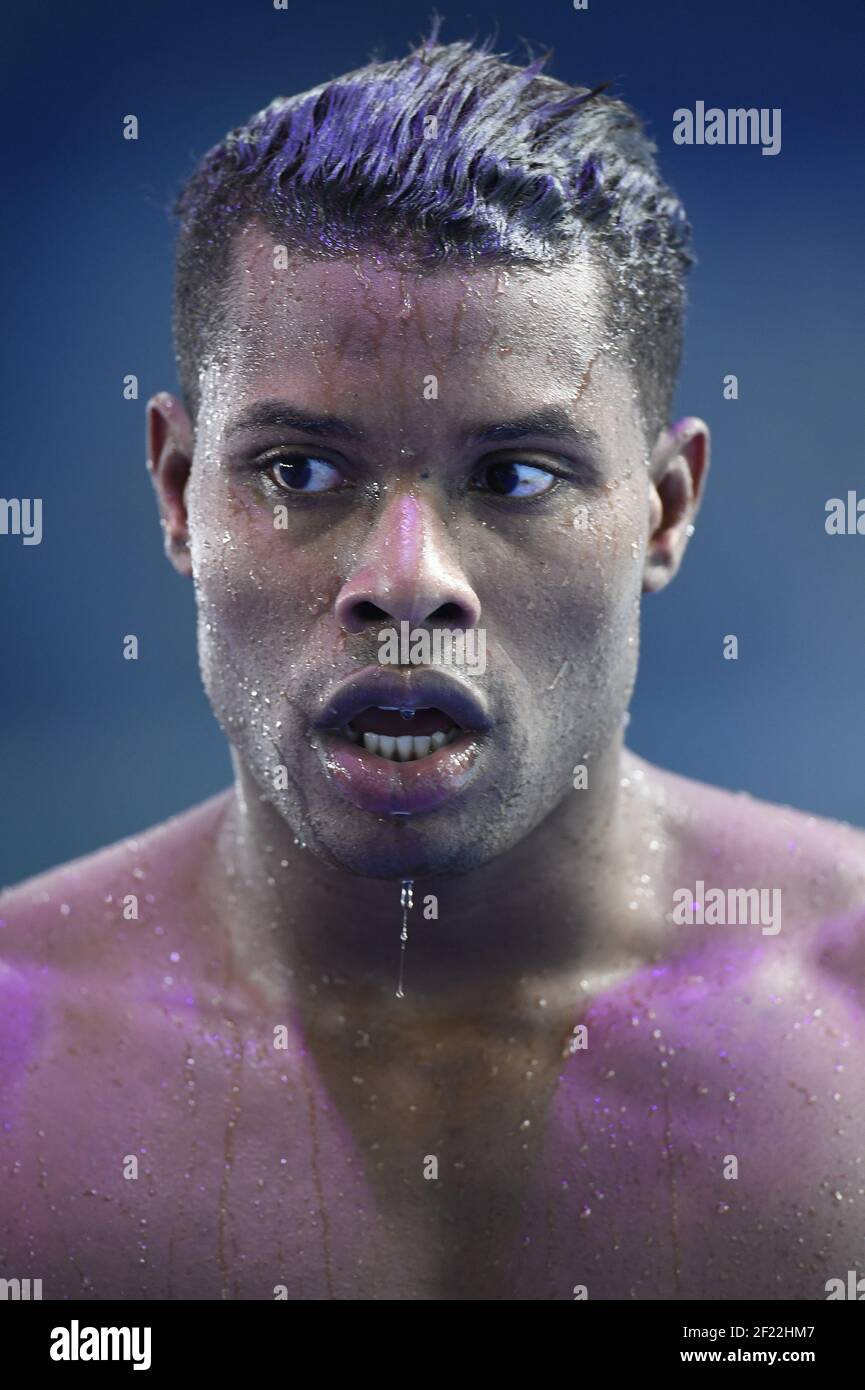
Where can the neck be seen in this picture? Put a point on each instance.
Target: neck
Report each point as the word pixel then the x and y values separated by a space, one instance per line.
pixel 559 902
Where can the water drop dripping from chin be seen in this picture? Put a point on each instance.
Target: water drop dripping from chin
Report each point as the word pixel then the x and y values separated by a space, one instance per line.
pixel 406 901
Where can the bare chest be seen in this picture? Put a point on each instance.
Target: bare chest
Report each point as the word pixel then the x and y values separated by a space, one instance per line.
pixel 693 1147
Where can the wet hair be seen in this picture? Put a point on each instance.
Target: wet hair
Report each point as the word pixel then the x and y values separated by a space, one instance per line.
pixel 448 156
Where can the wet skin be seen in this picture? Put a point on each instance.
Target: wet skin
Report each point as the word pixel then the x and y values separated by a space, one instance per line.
pixel 277 905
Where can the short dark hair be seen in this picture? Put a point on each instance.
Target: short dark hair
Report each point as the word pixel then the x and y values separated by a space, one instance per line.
pixel 447 156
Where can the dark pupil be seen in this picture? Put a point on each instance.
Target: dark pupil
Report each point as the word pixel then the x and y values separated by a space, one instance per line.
pixel 503 477
pixel 295 472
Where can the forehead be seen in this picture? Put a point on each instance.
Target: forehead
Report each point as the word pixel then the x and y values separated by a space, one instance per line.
pixel 361 305
pixel 325 328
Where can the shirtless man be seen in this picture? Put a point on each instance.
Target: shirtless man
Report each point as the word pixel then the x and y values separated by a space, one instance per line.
pixel 210 1085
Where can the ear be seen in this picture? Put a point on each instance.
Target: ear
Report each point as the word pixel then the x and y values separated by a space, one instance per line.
pixel 170 447
pixel 679 464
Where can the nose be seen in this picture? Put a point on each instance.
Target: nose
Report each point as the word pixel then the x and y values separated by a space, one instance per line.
pixel 406 573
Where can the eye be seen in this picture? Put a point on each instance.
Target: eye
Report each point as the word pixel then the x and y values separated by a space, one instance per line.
pixel 509 478
pixel 304 473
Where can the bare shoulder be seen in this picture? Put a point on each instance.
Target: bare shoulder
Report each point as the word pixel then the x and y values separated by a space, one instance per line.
pixel 56 915
pixel 814 864
pixel 736 827
pixel 72 925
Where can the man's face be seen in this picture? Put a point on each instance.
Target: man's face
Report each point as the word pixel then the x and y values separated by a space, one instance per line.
pixel 305 545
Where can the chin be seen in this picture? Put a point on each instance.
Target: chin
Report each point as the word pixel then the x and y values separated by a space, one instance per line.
pixel 441 844
pixel 394 852
pixel 473 830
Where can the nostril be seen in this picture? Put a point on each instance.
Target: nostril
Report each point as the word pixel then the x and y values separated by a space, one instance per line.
pixel 357 612
pixel 448 613
pixel 368 612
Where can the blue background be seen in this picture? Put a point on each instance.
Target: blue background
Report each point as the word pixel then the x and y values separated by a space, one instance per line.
pixel 95 747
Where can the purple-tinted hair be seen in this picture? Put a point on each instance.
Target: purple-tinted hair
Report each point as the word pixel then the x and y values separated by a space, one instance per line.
pixel 447 156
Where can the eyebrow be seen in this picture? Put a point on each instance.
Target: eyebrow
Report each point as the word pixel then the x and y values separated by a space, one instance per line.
pixel 283 415
pixel 552 422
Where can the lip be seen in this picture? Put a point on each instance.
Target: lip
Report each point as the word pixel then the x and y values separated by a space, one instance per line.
pixel 390 788
pixel 417 688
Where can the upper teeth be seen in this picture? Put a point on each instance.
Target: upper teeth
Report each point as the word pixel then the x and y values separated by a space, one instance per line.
pixel 403 749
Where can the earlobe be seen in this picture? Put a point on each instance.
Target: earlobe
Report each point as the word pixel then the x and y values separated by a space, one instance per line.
pixel 169 461
pixel 678 471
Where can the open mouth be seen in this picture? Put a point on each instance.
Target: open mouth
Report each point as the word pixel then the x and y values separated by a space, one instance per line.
pixel 402 742
pixel 401 736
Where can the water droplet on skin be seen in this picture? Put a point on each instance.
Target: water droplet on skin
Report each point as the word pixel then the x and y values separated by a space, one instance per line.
pixel 406 899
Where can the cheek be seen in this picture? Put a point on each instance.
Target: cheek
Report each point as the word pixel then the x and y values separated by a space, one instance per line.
pixel 585 653
pixel 576 588
pixel 262 599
